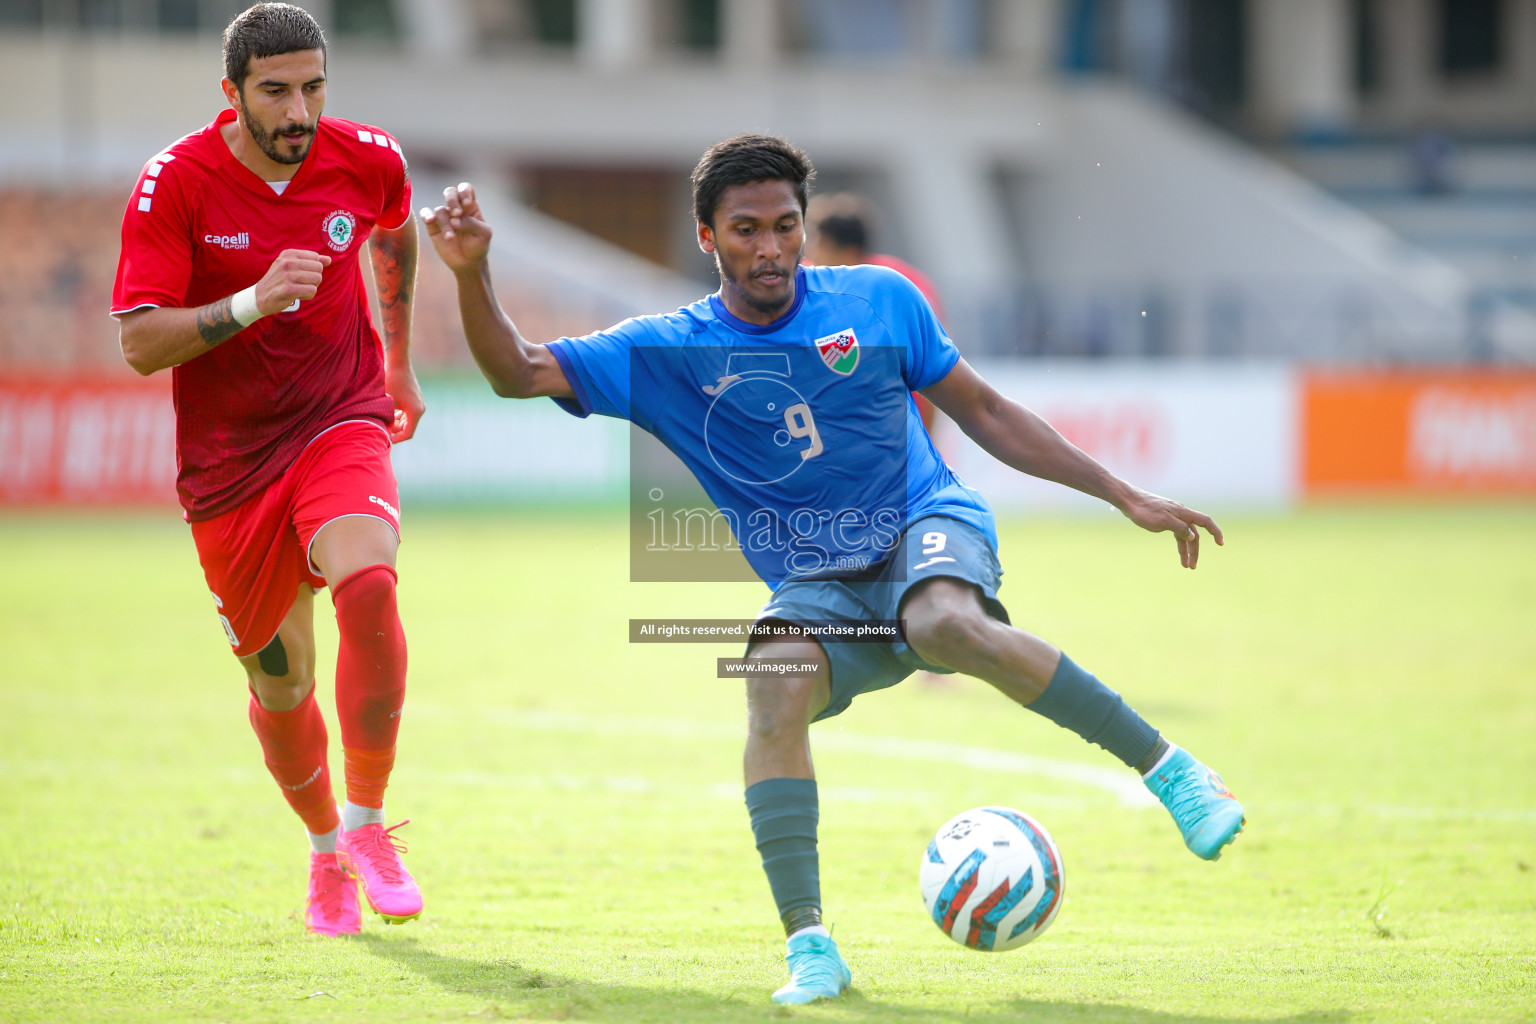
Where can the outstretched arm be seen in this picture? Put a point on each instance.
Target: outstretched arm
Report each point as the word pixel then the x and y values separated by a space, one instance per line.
pixel 393 253
pixel 515 367
pixel 1023 440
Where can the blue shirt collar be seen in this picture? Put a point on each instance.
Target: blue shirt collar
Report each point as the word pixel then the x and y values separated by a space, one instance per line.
pixel 738 324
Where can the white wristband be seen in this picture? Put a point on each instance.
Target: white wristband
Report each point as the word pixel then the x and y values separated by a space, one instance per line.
pixel 243 305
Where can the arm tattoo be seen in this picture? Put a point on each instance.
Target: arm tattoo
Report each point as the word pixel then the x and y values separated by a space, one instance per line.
pixel 394 268
pixel 216 321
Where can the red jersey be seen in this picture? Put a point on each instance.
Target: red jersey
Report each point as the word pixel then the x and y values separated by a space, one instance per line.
pixel 200 226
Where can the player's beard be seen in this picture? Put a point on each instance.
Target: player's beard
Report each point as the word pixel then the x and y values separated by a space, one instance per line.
pixel 270 143
pixel 767 307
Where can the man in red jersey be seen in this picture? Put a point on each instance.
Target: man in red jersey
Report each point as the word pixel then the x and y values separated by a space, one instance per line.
pixel 840 226
pixel 240 269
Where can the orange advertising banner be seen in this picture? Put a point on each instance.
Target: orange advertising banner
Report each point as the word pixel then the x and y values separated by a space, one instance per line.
pixel 104 440
pixel 1420 432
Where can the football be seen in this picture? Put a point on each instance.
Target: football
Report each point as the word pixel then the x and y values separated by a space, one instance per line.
pixel 992 878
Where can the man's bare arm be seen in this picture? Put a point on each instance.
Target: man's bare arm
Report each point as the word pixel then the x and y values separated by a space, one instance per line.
pixel 153 339
pixel 393 253
pixel 514 366
pixel 1019 438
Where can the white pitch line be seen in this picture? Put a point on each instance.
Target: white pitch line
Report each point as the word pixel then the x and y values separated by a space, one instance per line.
pixel 59 770
pixel 1120 783
pixel 631 785
pixel 85 769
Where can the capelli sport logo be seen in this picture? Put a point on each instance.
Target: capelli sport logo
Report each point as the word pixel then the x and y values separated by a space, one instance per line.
pixel 339 227
pixel 386 506
pixel 240 240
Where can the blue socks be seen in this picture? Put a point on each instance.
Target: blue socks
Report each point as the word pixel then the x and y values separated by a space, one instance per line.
pixel 1076 700
pixel 784 816
pixel 785 812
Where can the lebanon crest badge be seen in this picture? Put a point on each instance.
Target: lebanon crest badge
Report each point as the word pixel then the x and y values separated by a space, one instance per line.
pixel 339 227
pixel 839 351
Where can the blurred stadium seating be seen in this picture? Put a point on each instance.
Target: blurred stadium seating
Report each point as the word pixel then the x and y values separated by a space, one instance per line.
pixel 60 254
pixel 56 267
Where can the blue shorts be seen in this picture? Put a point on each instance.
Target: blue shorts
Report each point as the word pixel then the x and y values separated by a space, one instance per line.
pixel 937 546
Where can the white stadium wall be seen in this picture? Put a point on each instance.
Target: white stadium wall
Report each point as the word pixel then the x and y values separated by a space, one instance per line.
pixel 474 447
pixel 1207 433
pixel 1225 435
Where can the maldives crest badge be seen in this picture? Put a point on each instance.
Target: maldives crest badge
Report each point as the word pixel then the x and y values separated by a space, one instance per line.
pixel 839 351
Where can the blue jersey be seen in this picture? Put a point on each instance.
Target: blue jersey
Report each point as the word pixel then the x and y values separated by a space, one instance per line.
pixel 803 431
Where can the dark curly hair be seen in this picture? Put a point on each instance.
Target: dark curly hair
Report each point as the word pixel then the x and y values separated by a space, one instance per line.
pixel 743 160
pixel 266 30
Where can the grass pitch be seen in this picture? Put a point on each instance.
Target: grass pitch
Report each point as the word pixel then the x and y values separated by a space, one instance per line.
pixel 1364 678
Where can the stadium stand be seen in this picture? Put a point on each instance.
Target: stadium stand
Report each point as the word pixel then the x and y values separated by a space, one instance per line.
pixel 60 253
pixel 56 266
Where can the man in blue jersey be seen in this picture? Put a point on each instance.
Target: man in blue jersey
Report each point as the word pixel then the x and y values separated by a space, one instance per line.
pixel 787 394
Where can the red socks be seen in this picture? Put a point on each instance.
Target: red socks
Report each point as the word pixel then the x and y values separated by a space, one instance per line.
pixel 370 689
pixel 293 743
pixel 370 679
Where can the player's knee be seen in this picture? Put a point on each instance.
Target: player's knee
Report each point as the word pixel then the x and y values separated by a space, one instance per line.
pixel 282 694
pixel 281 675
pixel 784 696
pixel 778 706
pixel 948 629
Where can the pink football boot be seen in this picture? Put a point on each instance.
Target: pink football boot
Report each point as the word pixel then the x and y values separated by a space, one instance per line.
pixel 372 854
pixel 332 908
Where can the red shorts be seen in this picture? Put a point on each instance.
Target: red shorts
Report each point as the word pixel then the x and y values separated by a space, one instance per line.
pixel 255 555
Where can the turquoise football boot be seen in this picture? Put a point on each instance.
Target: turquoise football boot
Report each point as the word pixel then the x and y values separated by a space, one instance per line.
pixel 1205 811
pixel 816 970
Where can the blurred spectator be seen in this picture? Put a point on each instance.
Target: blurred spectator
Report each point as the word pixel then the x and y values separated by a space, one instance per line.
pixel 840 231
pixel 56 267
pixel 1149 42
pixel 1431 154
